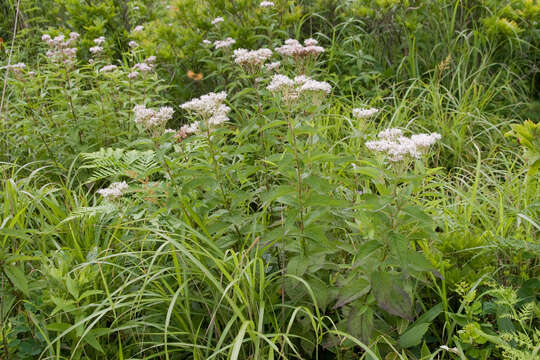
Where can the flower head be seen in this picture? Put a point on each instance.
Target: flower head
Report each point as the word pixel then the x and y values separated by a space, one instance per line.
pixel 60 49
pixel 108 68
pixel 364 113
pixel 266 4
pixel 398 147
pixel 217 20
pixel 295 49
pixel 138 28
pixel 133 44
pixel 114 190
pixel 150 118
pixel 228 42
pixel 251 58
pixel 16 68
pixel 96 50
pixel 209 108
pixel 100 40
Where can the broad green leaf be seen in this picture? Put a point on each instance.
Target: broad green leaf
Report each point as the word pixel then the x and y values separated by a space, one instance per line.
pixel 17 278
pixel 390 295
pixel 413 336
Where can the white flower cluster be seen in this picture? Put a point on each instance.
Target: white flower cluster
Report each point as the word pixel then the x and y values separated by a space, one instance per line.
pixel 266 4
pixel 251 58
pixel 398 147
pixel 150 118
pixel 16 68
pixel 108 68
pixel 133 44
pixel 217 20
pixel 114 190
pixel 227 43
pixel 210 108
pixel 293 88
pixel 60 49
pixel 294 48
pixel 138 28
pixel 364 113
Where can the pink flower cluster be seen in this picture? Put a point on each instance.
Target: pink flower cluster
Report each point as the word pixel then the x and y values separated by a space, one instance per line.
pixel 293 48
pixel 60 49
pixel 16 68
pixel 144 67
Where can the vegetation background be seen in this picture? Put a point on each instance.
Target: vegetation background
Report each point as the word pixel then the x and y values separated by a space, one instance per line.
pixel 278 235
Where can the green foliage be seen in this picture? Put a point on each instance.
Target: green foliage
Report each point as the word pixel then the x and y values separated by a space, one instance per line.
pixel 279 234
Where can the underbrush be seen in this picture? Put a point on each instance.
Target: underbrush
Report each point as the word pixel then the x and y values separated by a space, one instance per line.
pixel 321 197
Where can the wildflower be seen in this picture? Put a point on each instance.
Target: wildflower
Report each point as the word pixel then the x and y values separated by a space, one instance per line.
pixel 187 130
pixel 272 66
pixel 133 44
pixel 133 74
pixel 398 147
pixel 59 47
pixel 96 50
pixel 209 108
pixel 206 42
pixel 150 118
pixel 228 42
pixel 280 83
pixel 138 28
pixel 207 105
pixel 16 68
pixel 143 67
pixel 291 89
pixel 217 20
pixel 114 190
pixel 169 131
pixel 251 58
pixel 108 68
pixel 100 40
pixel 364 113
pixel 295 49
pixel 314 85
pixel 151 59
pixel 453 350
pixel 266 4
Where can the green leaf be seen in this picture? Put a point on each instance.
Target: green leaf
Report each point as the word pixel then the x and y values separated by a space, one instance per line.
pixel 390 295
pixel 297 265
pixel 17 278
pixel 90 338
pixel 413 336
